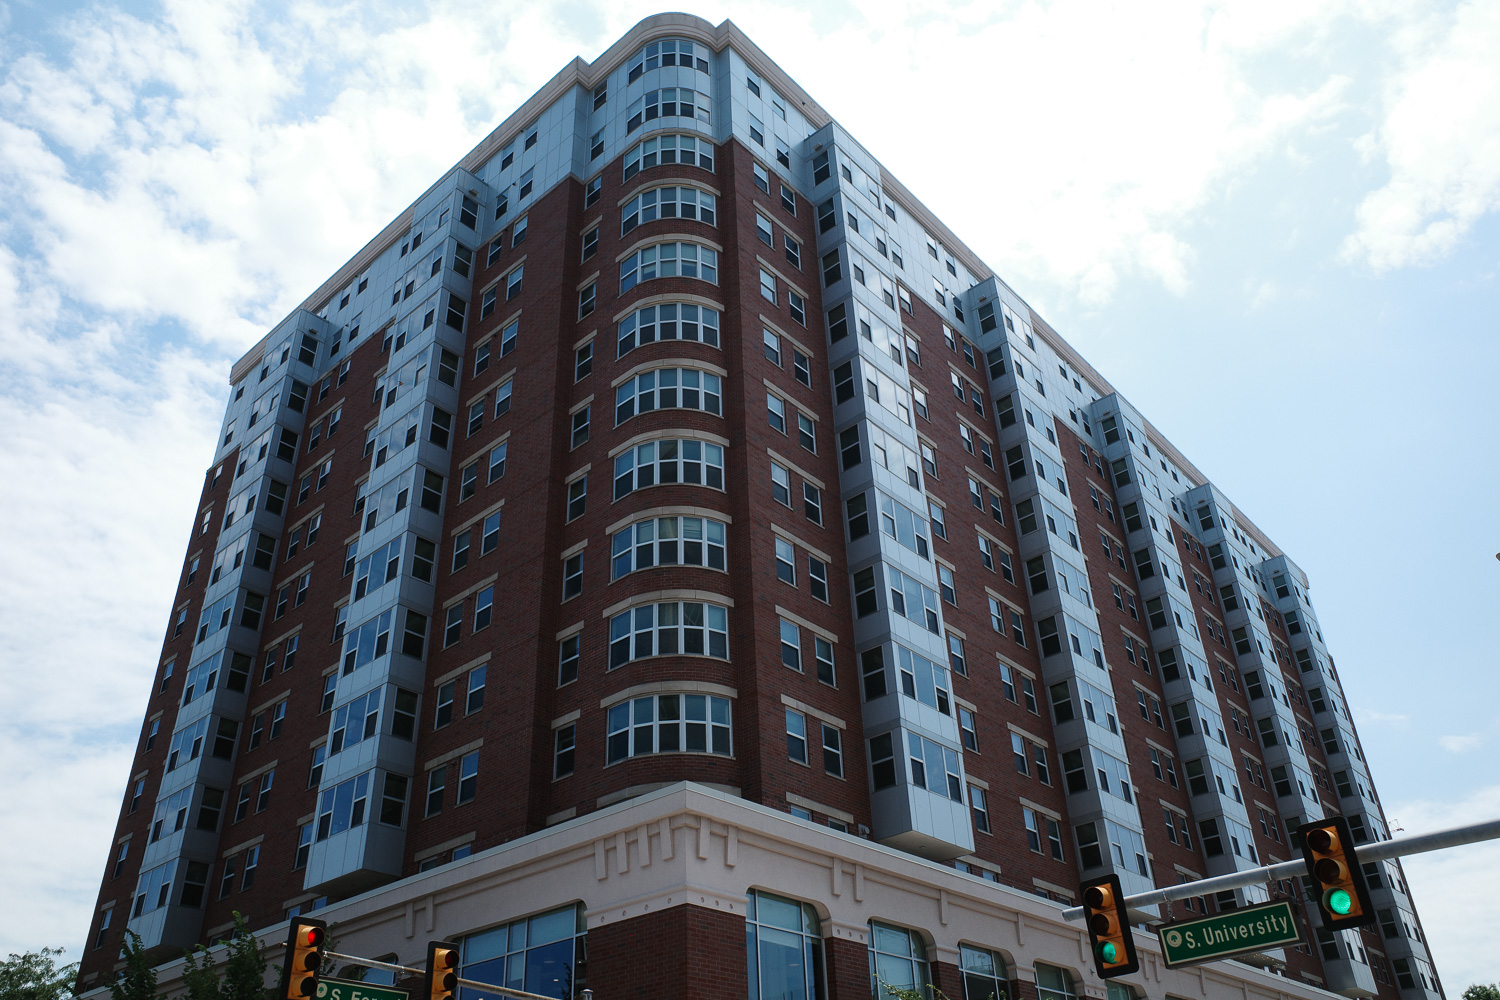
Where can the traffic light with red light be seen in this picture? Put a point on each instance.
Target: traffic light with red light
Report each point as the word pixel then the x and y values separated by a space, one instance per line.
pixel 442 970
pixel 305 942
pixel 1110 937
pixel 1339 882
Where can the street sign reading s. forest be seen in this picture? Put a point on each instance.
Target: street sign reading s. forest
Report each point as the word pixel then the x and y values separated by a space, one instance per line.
pixel 1253 928
pixel 348 989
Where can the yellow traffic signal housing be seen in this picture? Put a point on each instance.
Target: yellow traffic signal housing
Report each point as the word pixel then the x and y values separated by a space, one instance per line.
pixel 305 941
pixel 1110 937
pixel 1341 893
pixel 442 970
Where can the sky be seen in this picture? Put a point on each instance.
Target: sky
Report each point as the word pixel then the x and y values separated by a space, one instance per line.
pixel 1274 226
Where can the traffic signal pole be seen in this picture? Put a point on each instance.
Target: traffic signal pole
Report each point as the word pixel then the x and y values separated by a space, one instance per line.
pixel 1379 851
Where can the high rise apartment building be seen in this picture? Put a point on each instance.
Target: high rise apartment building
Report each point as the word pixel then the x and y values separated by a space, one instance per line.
pixel 666 553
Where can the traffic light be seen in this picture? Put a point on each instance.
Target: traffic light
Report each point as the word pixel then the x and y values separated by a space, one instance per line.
pixel 442 970
pixel 1341 893
pixel 305 941
pixel 1109 927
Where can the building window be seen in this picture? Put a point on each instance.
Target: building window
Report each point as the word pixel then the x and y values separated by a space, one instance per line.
pixel 1053 983
pixel 812 504
pixel 668 388
pixel 785 948
pixel 567 660
pixel 776 412
pixel 667 203
pixel 781 485
pixel 668 260
pixel 468 777
pixel 668 723
pixel 791 645
pixel 562 753
pixel 573 576
pixel 796 736
pixel 979 803
pixel 833 753
pixel 581 426
pixel 578 491
pixel 543 954
pixel 437 783
pixel 342 807
pixel 684 149
pixel 668 541
pixel 786 566
pixel 671 321
pixel 666 462
pixel 984 972
pixel 670 102
pixel 934 767
pixel 670 628
pixel 897 958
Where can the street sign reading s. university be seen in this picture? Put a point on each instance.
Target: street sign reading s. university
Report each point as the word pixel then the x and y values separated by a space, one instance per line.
pixel 1253 928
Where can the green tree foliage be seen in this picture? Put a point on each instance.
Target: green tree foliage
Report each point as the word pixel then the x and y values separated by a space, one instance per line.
pixel 137 981
pixel 35 976
pixel 933 993
pixel 244 971
pixel 1483 991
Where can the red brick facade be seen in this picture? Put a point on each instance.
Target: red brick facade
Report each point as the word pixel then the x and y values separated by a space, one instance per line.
pixel 1011 754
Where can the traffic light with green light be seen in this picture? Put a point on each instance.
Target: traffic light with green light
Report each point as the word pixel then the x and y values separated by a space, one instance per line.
pixel 1339 882
pixel 442 970
pixel 305 941
pixel 1109 928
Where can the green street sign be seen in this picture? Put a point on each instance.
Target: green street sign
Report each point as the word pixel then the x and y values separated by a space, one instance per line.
pixel 348 989
pixel 1254 928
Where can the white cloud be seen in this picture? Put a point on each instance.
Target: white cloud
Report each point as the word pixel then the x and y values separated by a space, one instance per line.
pixel 1461 743
pixel 1371 716
pixel 1441 139
pixel 1091 137
pixel 1452 887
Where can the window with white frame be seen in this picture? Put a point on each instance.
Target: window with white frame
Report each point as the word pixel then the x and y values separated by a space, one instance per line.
pixel 668 52
pixel 668 388
pixel 913 600
pixel 669 628
pixel 668 541
pixel 543 952
pixel 923 680
pixel 669 260
pixel 668 723
pixel 897 958
pixel 670 321
pixel 669 102
pixel 783 938
pixel 667 203
pixel 669 461
pixel 663 149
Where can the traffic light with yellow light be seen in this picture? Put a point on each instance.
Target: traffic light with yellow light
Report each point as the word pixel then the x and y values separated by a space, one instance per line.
pixel 305 942
pixel 1338 880
pixel 1110 937
pixel 442 970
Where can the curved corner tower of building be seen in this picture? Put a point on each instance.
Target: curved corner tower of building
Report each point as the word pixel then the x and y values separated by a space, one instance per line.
pixel 666 551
